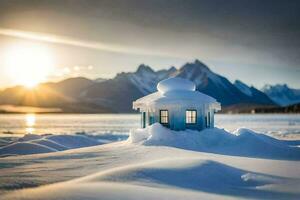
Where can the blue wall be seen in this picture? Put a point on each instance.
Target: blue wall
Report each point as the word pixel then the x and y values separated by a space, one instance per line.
pixel 177 118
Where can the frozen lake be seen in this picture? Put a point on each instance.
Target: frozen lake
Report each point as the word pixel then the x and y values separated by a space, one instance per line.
pixel 120 124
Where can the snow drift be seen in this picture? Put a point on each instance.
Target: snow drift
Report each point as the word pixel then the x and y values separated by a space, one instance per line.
pixel 169 177
pixel 33 144
pixel 243 142
pixel 146 166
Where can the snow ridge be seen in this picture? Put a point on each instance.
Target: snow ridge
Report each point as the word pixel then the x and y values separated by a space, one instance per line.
pixel 243 142
pixel 34 144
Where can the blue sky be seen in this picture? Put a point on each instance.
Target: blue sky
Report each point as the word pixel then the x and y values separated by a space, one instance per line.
pixel 255 41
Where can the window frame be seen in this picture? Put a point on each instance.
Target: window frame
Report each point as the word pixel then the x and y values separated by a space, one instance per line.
pixel 160 116
pixel 191 117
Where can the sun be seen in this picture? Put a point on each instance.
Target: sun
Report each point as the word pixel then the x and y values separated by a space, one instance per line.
pixel 28 65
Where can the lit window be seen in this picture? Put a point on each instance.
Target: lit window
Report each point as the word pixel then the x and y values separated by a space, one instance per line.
pixel 191 116
pixel 164 116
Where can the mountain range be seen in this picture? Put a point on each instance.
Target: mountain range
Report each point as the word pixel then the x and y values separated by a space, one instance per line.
pixel 116 94
pixel 282 94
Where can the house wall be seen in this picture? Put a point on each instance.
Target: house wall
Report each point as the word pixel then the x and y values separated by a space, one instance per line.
pixel 177 117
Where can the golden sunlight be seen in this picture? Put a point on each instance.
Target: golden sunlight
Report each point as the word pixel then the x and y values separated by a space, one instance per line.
pixel 30 122
pixel 28 65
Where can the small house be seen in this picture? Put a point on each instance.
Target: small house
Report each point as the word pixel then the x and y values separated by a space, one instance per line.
pixel 178 106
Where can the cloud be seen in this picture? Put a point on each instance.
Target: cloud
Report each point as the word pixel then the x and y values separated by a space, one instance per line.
pixel 58 39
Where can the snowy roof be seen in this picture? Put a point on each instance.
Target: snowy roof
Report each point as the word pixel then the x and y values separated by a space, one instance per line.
pixel 172 84
pixel 175 91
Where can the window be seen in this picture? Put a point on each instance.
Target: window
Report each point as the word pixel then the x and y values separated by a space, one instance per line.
pixel 164 116
pixel 190 116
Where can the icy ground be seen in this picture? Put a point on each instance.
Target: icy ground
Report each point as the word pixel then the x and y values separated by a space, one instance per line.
pixel 157 163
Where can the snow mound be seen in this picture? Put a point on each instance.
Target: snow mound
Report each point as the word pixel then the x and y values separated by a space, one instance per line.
pixel 50 144
pixel 172 84
pixel 22 148
pixel 33 144
pixel 72 141
pixel 169 178
pixel 243 142
pixel 29 137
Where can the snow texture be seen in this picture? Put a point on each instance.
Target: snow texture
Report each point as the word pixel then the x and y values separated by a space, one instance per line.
pixel 243 142
pixel 175 91
pixel 172 84
pixel 157 163
pixel 34 144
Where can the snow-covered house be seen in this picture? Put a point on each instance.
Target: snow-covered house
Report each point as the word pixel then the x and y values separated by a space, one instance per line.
pixel 178 106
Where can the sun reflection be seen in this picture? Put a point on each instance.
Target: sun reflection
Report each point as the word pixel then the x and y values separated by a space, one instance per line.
pixel 29 130
pixel 30 122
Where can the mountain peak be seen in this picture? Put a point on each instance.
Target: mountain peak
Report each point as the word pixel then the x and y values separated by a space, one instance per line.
pixel 276 87
pixel 198 62
pixel 144 68
pixel 172 69
pixel 197 65
pixel 282 94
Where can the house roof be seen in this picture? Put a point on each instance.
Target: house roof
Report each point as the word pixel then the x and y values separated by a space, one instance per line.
pixel 175 91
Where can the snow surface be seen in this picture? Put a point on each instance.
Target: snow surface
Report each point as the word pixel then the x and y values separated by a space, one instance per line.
pixel 156 163
pixel 176 83
pixel 175 91
pixel 243 142
pixel 33 144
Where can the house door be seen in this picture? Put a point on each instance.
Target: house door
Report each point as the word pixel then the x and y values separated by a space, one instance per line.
pixel 151 119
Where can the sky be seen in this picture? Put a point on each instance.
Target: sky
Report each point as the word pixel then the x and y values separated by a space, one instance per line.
pixel 257 42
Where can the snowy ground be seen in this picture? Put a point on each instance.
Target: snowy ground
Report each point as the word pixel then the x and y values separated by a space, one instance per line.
pixel 160 164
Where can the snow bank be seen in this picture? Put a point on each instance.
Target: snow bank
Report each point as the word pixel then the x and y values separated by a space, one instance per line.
pixel 24 148
pixel 122 170
pixel 169 178
pixel 33 144
pixel 243 142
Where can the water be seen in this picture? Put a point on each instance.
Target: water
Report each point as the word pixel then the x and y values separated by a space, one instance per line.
pixel 93 124
pixel 120 124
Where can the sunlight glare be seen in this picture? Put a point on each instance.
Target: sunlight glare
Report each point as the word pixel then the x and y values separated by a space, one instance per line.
pixel 28 65
pixel 30 120
pixel 30 123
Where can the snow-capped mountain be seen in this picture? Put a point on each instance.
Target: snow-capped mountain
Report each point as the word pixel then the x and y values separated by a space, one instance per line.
pixel 282 94
pixel 257 95
pixel 119 92
pixel 146 79
pixel 212 84
pixel 219 87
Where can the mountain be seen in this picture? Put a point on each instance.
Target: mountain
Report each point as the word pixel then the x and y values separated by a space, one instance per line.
pixel 258 96
pixel 65 94
pixel 282 94
pixel 99 80
pixel 117 94
pixel 218 86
